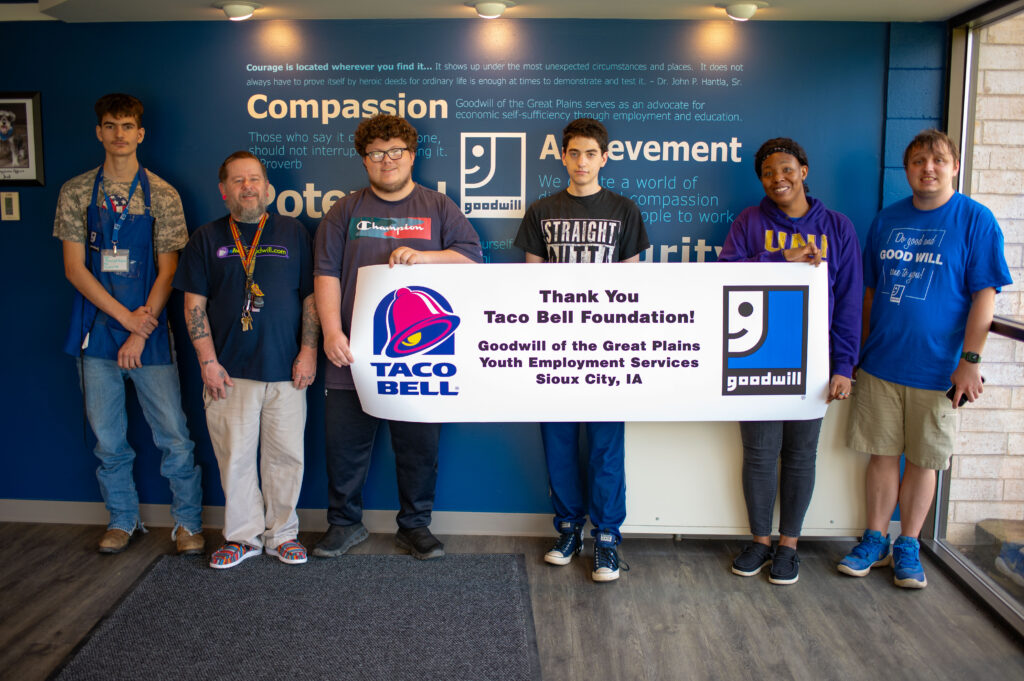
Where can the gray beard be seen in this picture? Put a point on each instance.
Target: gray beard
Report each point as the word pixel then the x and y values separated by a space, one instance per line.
pixel 240 214
pixel 251 216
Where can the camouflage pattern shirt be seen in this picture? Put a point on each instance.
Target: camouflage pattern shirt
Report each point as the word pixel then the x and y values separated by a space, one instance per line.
pixel 169 231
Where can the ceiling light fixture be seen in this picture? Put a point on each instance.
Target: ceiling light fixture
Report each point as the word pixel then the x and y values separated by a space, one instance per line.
pixel 490 9
pixel 237 11
pixel 741 11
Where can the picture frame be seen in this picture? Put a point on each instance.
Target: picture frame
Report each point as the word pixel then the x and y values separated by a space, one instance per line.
pixel 21 139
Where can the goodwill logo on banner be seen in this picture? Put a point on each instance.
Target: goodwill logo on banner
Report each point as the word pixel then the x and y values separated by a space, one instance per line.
pixel 609 342
pixel 764 351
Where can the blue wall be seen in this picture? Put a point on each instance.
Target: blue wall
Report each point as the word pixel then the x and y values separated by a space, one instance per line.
pixel 824 84
pixel 916 92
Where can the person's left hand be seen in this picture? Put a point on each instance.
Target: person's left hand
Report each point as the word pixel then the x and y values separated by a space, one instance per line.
pixel 966 380
pixel 129 356
pixel 809 253
pixel 304 368
pixel 403 255
pixel 839 388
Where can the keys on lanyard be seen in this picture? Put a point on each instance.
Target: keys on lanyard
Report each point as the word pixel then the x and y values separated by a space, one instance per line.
pixel 253 301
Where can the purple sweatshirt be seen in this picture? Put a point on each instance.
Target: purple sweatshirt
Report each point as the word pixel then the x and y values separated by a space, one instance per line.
pixel 761 233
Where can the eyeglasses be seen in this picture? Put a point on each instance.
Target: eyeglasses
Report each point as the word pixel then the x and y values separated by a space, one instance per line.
pixel 393 154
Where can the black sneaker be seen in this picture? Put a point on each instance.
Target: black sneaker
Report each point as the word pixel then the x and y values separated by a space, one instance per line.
pixel 752 558
pixel 338 539
pixel 568 544
pixel 785 566
pixel 419 542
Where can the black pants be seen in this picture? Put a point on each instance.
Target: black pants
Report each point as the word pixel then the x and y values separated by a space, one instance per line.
pixel 764 443
pixel 350 436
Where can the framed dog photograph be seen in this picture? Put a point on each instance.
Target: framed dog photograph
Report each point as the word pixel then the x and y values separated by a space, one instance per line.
pixel 21 139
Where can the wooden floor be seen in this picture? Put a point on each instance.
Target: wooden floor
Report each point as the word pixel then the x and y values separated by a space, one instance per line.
pixel 678 614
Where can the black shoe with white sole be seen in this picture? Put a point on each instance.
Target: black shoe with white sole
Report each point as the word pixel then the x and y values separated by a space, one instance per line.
pixel 752 559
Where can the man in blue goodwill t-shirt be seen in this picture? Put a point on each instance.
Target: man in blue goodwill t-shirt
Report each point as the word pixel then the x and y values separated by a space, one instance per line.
pixel 933 264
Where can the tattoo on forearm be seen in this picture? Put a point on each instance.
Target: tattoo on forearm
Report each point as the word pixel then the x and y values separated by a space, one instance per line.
pixel 197 327
pixel 310 323
pixel 209 361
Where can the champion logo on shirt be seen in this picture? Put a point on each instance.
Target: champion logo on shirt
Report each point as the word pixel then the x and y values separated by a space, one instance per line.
pixel 389 228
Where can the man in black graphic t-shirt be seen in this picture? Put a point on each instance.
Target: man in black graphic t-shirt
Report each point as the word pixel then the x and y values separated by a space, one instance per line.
pixel 584 224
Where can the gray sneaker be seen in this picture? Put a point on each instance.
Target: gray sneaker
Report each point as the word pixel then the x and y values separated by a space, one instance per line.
pixel 338 539
pixel 420 542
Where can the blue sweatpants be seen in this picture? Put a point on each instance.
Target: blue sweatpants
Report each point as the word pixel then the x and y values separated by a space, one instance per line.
pixel 602 494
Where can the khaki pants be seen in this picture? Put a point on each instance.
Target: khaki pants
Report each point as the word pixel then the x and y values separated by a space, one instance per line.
pixel 889 419
pixel 271 416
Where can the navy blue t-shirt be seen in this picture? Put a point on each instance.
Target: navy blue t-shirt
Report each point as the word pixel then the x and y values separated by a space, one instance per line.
pixel 210 267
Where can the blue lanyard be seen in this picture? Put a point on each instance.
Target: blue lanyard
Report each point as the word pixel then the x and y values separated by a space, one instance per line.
pixel 124 211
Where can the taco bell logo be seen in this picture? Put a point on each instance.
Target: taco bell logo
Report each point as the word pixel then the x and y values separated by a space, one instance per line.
pixel 764 340
pixel 409 324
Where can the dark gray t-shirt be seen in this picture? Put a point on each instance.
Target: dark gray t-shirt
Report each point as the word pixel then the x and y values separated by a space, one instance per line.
pixel 363 229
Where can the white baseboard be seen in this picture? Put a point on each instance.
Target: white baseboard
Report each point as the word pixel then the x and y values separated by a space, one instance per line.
pixel 315 520
pixel 310 519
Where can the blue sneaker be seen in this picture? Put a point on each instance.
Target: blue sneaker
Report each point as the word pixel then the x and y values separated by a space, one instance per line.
pixel 1011 562
pixel 606 559
pixel 872 551
pixel 568 544
pixel 906 564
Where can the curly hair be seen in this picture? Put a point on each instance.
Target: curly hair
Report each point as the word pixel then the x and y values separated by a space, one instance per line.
pixel 385 127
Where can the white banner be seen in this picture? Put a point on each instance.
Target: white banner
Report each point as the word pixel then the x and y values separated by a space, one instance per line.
pixel 615 342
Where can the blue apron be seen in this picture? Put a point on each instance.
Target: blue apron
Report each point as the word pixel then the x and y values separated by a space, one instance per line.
pixel 131 288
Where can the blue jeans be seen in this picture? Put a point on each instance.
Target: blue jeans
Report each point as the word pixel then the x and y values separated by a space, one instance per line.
pixel 763 443
pixel 604 496
pixel 160 397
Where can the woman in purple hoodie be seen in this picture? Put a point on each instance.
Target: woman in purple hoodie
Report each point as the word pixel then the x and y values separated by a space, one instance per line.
pixel 789 225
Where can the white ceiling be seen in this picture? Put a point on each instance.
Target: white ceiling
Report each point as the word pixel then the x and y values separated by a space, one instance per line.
pixel 73 11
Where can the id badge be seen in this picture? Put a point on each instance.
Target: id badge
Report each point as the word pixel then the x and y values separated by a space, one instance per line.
pixel 114 262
